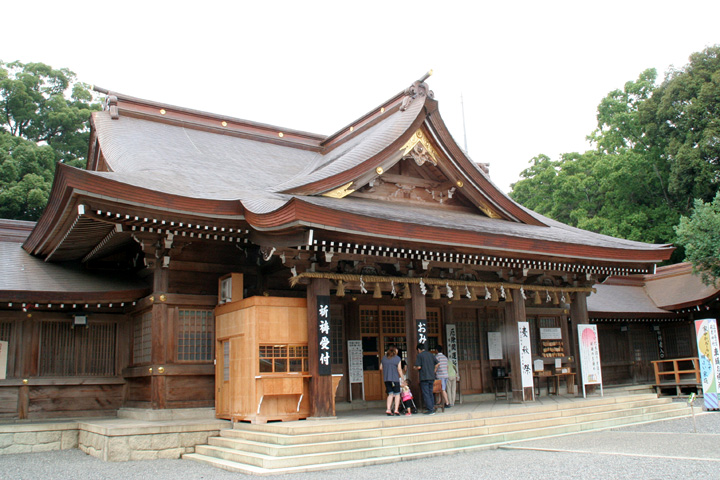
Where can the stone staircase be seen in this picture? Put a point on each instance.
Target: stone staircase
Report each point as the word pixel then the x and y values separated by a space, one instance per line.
pixel 303 446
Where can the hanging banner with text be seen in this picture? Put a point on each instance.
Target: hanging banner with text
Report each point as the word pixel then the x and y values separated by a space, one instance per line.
pixel 709 354
pixel 323 304
pixel 589 355
pixel 526 370
pixel 422 331
pixel 495 346
pixel 451 347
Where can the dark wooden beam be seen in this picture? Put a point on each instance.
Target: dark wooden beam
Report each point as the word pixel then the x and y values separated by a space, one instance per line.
pixel 415 309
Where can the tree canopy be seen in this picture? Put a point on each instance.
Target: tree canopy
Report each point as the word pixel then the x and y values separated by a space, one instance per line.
pixel 700 235
pixel 44 119
pixel 656 150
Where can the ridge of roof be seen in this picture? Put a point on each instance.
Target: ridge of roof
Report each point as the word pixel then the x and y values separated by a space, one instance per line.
pixel 116 103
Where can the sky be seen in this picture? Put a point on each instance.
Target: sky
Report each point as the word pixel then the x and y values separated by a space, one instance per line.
pixel 530 74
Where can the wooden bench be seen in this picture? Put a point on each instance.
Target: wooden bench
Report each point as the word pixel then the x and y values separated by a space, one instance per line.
pixel 677 373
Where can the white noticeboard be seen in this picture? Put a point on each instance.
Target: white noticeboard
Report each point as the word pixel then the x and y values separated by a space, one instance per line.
pixel 550 334
pixel 590 356
pixel 3 360
pixel 355 365
pixel 526 367
pixel 495 345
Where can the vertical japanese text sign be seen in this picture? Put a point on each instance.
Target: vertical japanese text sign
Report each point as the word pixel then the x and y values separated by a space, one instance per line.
pixel 709 357
pixel 422 331
pixel 525 354
pixel 323 305
pixel 452 346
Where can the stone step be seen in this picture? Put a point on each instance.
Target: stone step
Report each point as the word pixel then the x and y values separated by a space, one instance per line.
pixel 301 427
pixel 402 436
pixel 420 424
pixel 258 463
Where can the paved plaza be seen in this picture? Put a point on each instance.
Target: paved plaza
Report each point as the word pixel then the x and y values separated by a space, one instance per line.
pixel 658 450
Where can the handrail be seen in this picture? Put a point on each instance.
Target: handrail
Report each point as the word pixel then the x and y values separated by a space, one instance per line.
pixel 676 371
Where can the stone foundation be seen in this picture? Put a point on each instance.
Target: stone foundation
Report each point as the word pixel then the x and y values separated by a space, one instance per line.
pixel 135 435
pixel 38 437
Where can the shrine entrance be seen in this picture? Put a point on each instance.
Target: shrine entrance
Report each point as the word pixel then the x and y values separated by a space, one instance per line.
pixel 382 326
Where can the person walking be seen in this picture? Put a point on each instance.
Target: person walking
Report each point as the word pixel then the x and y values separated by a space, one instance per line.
pixel 425 363
pixel 441 372
pixel 392 372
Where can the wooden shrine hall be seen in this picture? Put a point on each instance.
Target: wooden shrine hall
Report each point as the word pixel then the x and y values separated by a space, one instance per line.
pixel 202 260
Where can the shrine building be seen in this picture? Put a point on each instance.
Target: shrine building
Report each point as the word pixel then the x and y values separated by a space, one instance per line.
pixel 202 260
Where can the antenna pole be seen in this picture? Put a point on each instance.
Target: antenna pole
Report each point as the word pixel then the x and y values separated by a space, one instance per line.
pixel 462 106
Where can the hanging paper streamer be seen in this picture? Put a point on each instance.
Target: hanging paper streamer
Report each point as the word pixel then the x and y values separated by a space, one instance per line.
pixel 362 285
pixel 488 295
pixel 423 288
pixel 562 297
pixel 522 292
pixel 467 292
pixel 449 290
pixel 502 291
pixel 392 291
pixel 293 270
pixel 548 299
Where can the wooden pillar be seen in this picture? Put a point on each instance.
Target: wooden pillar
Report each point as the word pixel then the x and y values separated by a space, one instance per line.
pixel 29 364
pixel 578 315
pixel 322 397
pixel 159 338
pixel 514 313
pixel 415 309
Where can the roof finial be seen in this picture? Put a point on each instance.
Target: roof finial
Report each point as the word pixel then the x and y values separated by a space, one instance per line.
pixel 418 88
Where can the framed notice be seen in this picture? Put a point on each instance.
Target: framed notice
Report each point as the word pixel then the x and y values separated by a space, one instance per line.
pixel 590 356
pixel 3 360
pixel 355 364
pixel 526 367
pixel 709 359
pixel 495 346
pixel 550 334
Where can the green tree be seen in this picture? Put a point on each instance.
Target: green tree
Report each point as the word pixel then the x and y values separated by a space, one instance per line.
pixel 44 115
pixel 700 235
pixel 657 147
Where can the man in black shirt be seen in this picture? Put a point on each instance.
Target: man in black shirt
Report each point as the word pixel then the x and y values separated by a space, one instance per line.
pixel 426 363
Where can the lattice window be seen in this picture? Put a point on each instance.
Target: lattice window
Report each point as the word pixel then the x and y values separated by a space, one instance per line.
pixel 468 339
pixel 369 320
pixel 433 321
pixel 393 321
pixel 5 329
pixel 678 341
pixel 226 360
pixel 142 338
pixel 195 335
pixel 79 351
pixel 283 358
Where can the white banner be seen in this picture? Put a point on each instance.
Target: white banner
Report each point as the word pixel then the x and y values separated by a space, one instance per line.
pixel 589 355
pixel 526 368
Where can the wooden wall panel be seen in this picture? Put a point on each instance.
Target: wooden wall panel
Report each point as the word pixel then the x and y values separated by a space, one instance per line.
pixel 9 401
pixel 190 389
pixel 52 400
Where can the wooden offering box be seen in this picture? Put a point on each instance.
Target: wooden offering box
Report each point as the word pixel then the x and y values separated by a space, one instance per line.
pixel 262 360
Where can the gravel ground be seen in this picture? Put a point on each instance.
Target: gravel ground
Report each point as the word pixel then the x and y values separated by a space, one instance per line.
pixel 658 450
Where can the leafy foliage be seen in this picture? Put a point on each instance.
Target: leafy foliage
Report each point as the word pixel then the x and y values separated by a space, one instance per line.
pixel 44 115
pixel 699 234
pixel 657 148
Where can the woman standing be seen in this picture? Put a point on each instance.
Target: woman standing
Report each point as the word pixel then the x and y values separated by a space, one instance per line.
pixel 392 372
